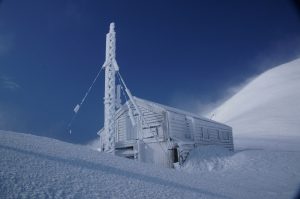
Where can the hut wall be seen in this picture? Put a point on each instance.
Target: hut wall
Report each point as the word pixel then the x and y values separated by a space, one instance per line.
pixel 178 127
pixel 161 123
pixel 211 133
pixel 124 129
pixel 155 153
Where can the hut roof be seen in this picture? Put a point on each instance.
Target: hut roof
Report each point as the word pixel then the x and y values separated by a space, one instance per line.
pixel 175 110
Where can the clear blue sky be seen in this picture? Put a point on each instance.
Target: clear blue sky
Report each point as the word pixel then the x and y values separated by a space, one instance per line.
pixel 173 52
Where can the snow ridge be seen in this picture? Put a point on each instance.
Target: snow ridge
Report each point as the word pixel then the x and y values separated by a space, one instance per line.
pixel 267 108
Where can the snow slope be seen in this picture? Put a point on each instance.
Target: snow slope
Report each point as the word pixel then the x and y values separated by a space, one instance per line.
pixel 266 112
pixel 39 167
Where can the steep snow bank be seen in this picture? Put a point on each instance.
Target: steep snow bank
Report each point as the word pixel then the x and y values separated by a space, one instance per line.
pixel 208 158
pixel 268 108
pixel 271 169
pixel 39 167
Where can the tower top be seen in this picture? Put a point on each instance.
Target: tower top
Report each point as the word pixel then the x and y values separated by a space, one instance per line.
pixel 112 27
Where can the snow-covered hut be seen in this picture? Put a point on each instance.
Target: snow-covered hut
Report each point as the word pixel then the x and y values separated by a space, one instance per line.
pixel 165 135
pixel 148 131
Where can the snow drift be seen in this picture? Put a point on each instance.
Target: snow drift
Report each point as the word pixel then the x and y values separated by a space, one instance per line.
pixel 207 159
pixel 267 109
pixel 39 167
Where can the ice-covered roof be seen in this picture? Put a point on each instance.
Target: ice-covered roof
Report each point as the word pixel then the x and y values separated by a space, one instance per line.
pixel 176 110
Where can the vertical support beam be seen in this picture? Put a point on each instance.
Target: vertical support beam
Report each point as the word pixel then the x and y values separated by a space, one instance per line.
pixel 111 67
pixel 118 96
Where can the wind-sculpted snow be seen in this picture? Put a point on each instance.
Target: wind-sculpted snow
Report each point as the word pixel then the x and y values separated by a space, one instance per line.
pixel 266 112
pixel 268 173
pixel 39 167
pixel 210 158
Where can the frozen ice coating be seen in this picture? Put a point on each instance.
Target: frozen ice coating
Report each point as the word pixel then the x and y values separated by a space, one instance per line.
pixel 110 104
pixel 77 107
pixel 148 131
pixel 112 27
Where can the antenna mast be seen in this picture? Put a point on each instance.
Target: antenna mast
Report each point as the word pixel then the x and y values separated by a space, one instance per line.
pixel 111 67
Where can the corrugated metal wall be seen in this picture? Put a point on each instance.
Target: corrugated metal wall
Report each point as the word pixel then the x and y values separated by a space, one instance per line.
pixel 124 129
pixel 155 153
pixel 210 133
pixel 154 121
pixel 153 118
pixel 202 132
pixel 178 127
pixel 160 124
pixel 153 125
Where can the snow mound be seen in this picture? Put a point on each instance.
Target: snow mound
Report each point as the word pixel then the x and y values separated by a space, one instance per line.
pixel 268 168
pixel 94 144
pixel 267 108
pixel 207 158
pixel 39 167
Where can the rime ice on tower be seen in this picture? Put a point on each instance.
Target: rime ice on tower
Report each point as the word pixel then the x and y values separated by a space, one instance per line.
pixel 111 67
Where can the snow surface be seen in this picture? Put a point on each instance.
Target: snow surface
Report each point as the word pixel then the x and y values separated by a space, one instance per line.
pixel 266 112
pixel 266 164
pixel 39 167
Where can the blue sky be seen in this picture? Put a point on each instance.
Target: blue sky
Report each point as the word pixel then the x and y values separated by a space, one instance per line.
pixel 180 53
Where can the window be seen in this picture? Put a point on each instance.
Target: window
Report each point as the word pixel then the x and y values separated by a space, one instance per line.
pixel 153 131
pixel 206 134
pixel 225 135
pixel 190 127
pixel 201 132
pixel 175 155
pixel 187 135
